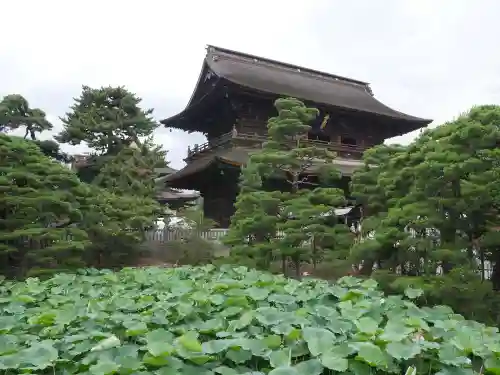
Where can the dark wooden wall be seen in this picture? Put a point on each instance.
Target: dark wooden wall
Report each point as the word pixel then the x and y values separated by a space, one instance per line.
pixel 219 194
pixel 366 130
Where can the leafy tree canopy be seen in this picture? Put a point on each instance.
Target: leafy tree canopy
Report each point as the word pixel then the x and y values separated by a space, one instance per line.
pixel 109 120
pixel 129 172
pixel 53 150
pixel 16 113
pixel 38 204
pixel 436 198
pixel 116 225
pixel 432 207
pixel 296 223
pixel 106 119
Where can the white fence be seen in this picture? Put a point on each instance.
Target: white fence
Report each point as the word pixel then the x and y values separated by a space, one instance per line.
pixel 168 234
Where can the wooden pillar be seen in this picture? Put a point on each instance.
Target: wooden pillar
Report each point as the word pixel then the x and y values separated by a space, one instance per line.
pixel 220 195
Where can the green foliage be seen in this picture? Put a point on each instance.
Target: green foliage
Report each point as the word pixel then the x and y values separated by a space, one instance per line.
pixel 106 119
pixel 194 218
pixel 230 321
pixel 52 149
pixel 121 170
pixel 111 122
pixel 190 250
pixel 296 223
pixel 433 206
pixel 190 247
pixel 462 290
pixel 38 206
pixel 116 225
pixel 128 173
pixel 430 204
pixel 50 219
pixel 125 193
pixel 15 113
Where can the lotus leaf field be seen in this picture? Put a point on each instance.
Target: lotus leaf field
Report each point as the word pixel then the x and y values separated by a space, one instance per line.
pixel 227 321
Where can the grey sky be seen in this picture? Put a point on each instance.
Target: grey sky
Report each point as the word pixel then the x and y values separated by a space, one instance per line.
pixel 428 58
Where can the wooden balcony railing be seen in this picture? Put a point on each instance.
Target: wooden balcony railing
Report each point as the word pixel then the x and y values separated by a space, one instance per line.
pixel 344 150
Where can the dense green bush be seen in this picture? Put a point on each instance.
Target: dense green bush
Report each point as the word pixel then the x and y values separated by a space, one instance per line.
pixel 462 290
pixel 206 320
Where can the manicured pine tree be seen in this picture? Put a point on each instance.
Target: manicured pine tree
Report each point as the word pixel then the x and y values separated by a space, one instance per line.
pixel 128 172
pixel 440 197
pixel 16 113
pixel 372 186
pixel 116 225
pixel 106 119
pixel 39 207
pixel 286 224
pixel 128 191
pixel 112 123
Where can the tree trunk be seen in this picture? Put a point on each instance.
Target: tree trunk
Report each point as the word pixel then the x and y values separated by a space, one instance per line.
pixel 367 268
pixel 283 265
pixel 495 275
pixel 314 253
pixel 296 261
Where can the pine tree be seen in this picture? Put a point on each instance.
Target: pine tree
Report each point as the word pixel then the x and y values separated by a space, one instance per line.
pixel 125 190
pixel 373 186
pixel 106 119
pixel 120 170
pixel 128 173
pixel 39 206
pixel 439 196
pixel 287 223
pixel 109 119
pixel 16 113
pixel 116 225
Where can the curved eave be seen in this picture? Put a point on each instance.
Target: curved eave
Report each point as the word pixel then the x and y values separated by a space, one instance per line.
pixel 397 126
pixel 232 157
pixel 177 179
pixel 176 196
pixel 182 119
pixel 237 157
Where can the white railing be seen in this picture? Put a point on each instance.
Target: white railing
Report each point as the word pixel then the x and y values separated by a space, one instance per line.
pixel 350 151
pixel 169 234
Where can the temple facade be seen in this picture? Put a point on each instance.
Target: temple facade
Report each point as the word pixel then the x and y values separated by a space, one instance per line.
pixel 232 101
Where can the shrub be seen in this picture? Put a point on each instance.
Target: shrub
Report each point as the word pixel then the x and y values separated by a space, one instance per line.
pixel 192 250
pixel 462 290
pixel 208 320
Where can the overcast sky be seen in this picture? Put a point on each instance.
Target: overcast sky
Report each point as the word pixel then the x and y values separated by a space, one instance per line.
pixel 428 58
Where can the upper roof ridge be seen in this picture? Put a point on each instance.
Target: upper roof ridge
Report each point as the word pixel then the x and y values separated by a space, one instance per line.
pixel 279 64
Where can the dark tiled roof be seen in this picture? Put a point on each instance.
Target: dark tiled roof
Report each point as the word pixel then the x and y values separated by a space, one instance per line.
pixel 283 79
pixel 238 157
pixel 229 156
pixel 165 170
pixel 173 195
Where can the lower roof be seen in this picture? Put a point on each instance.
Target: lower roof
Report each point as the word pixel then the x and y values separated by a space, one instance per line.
pixel 238 157
pixel 170 195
